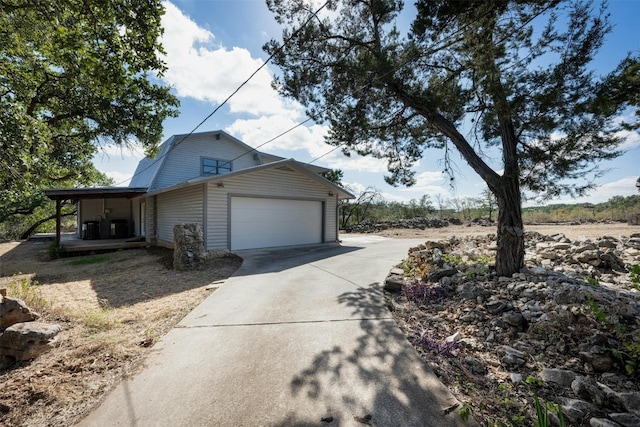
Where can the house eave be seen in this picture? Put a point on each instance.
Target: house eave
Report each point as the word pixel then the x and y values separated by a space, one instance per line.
pixel 94 193
pixel 340 192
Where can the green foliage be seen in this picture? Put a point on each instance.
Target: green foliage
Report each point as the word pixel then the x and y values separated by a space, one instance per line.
pixel 465 411
pixel 335 176
pixel 616 208
pixel 394 95
pixel 98 320
pixel 452 259
pixel 52 252
pixel 595 309
pixel 592 280
pixel 29 292
pixel 634 275
pixel 89 261
pixel 622 89
pixel 74 76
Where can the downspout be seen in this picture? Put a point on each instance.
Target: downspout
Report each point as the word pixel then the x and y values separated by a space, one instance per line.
pixel 337 221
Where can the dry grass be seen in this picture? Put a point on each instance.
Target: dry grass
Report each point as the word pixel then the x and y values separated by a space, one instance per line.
pixel 112 308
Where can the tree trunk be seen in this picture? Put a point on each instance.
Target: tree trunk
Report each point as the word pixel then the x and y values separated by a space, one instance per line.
pixel 29 231
pixel 510 239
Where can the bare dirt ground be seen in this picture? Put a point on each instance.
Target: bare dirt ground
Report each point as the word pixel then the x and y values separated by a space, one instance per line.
pixel 112 307
pixel 590 231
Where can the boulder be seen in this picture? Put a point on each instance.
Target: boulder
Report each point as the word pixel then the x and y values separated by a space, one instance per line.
pixel 577 411
pixel 587 388
pixel 25 341
pixel 394 283
pixel 602 422
pixel 631 402
pixel 562 377
pixel 625 419
pixel 13 310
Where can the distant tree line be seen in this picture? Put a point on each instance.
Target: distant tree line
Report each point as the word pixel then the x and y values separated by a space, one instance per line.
pixel 371 205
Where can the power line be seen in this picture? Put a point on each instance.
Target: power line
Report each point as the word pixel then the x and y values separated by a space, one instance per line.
pixel 450 38
pixel 295 33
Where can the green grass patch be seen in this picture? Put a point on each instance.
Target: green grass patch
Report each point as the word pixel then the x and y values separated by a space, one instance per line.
pixel 29 293
pixel 89 261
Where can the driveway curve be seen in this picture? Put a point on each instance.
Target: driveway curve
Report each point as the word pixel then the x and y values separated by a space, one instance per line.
pixel 297 337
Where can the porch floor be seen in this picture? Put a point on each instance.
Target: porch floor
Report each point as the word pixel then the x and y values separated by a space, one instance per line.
pixel 71 243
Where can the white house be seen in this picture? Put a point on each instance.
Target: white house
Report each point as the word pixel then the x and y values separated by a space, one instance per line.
pixel 241 198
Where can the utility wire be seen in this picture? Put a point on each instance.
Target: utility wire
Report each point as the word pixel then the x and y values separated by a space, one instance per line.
pixel 264 64
pixel 442 43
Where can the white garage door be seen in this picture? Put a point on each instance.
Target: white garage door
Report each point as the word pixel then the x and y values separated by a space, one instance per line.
pixel 264 223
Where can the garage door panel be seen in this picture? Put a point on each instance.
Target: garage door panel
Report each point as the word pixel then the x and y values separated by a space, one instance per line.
pixel 261 222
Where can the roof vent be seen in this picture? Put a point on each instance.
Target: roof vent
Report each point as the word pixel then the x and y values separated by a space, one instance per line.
pixel 285 168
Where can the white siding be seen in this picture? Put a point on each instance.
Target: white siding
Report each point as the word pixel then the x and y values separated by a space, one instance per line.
pixel 274 183
pixel 183 162
pixel 183 206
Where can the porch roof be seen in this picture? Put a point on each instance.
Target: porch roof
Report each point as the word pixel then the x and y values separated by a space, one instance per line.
pixel 94 193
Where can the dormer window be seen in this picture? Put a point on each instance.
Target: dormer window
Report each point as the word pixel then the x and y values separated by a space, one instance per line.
pixel 215 166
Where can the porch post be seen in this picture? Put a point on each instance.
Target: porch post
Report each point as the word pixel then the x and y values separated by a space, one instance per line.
pixel 58 220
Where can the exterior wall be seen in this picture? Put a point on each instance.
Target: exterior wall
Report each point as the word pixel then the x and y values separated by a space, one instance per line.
pixel 183 162
pixel 178 207
pixel 91 210
pixel 104 211
pixel 135 216
pixel 275 183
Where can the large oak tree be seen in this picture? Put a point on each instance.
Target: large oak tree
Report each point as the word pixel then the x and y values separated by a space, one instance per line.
pixel 74 75
pixel 476 76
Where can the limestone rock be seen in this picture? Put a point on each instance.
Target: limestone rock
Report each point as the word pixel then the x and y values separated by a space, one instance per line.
pixel 28 340
pixel 562 377
pixel 13 310
pixel 631 402
pixel 393 283
pixel 603 422
pixel 563 307
pixel 188 249
pixel 586 388
pixel 439 274
pixel 576 411
pixel 625 419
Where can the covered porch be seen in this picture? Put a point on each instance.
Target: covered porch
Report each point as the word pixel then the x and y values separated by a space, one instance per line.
pixel 105 218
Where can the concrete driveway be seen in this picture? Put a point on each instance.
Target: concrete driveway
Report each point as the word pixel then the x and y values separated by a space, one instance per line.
pixel 294 337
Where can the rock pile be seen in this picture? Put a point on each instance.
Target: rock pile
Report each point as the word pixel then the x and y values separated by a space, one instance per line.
pixel 373 226
pixel 566 327
pixel 188 252
pixel 21 336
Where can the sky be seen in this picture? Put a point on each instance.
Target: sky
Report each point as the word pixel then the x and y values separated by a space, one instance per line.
pixel 213 46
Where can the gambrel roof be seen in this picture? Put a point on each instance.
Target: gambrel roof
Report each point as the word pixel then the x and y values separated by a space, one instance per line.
pixel 148 169
pixel 285 164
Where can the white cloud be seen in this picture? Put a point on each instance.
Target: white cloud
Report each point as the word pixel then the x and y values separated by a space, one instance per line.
pixel 199 68
pixel 256 132
pixel 428 182
pixel 120 179
pixel 356 188
pixel 631 139
pixel 356 163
